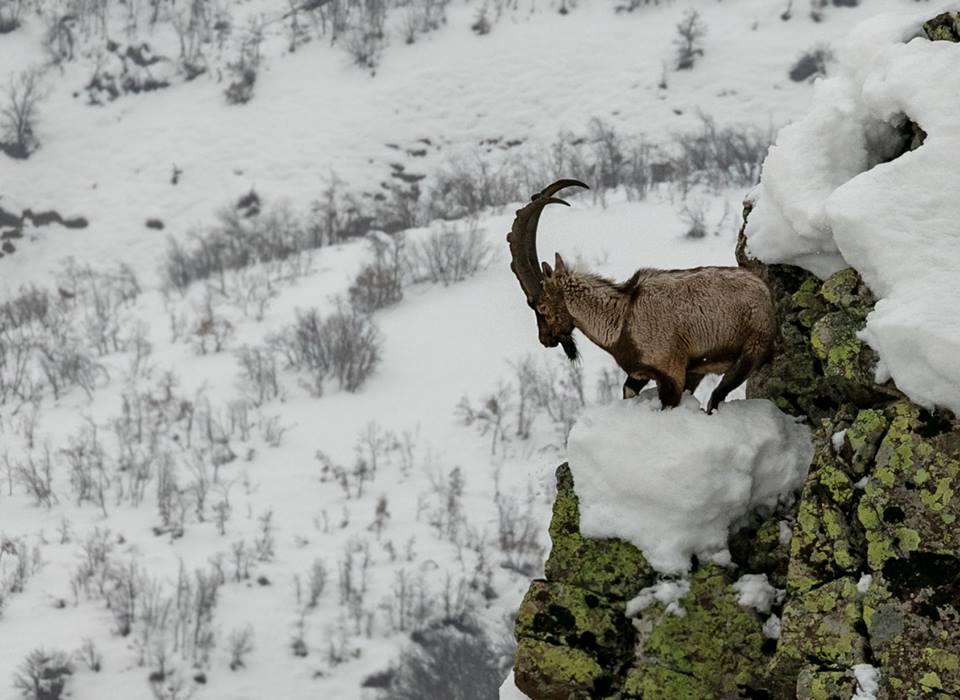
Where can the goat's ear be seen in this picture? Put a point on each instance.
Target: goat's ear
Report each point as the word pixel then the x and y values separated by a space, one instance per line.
pixel 558 263
pixel 547 272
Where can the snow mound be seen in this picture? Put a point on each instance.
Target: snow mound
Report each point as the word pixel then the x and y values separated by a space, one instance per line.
pixel 510 691
pixel 673 481
pixel 830 197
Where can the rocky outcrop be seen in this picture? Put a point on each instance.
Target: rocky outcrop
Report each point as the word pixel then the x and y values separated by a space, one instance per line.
pixel 870 571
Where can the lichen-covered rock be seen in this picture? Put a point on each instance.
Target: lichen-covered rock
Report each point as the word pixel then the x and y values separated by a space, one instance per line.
pixel 559 613
pixel 816 684
pixel 610 567
pixel 945 27
pixel 574 639
pixel 555 672
pixel 713 650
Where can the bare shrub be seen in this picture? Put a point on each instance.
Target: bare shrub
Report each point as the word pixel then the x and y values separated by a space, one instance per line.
pixel 317 583
pixel 337 215
pixel 258 374
pixel 518 532
pixel 367 36
pixel 690 30
pixel 243 69
pixel 10 13
pixel 43 675
pixel 380 281
pixel 237 240
pixel 35 474
pixel 694 217
pixel 19 112
pixel 451 662
pixel 31 304
pixel 422 17
pixel 451 253
pixel 344 346
pixel 89 655
pixel 811 64
pixel 719 156
pixel 481 22
pixel 193 25
pixel 467 185
pixel 98 297
pixel 210 330
pixel 241 644
pixel 411 604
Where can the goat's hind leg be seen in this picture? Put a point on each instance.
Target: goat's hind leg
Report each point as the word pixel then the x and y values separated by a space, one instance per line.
pixel 736 375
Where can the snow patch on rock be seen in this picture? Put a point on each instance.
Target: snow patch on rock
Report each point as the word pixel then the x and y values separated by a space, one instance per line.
pixel 671 482
pixel 829 198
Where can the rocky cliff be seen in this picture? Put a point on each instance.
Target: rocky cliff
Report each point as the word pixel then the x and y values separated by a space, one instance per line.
pixel 870 571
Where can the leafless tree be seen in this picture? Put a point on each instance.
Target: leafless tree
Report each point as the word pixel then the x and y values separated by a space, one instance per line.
pixel 18 114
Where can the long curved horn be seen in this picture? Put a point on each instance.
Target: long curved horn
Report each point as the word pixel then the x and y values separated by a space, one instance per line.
pixel 523 238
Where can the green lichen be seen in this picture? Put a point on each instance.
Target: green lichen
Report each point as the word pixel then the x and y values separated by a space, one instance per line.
pixel 944 27
pixel 845 290
pixel 814 683
pixel 651 682
pixel 835 342
pixel 560 613
pixel 941 659
pixel 710 650
pixel 551 672
pixel 612 568
pixel 821 623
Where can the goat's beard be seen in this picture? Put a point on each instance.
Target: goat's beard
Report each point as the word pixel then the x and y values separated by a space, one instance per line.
pixel 569 346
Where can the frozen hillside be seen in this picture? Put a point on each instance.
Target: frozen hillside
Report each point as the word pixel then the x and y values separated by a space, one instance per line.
pixel 274 420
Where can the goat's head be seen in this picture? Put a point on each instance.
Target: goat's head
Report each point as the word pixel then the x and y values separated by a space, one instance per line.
pixel 541 284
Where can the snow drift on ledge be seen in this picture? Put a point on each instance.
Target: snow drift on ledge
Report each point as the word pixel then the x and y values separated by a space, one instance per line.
pixel 671 482
pixel 828 199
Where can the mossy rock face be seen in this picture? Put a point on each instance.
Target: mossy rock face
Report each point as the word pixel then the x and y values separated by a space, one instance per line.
pixel 821 365
pixel 945 27
pixel 815 684
pixel 568 615
pixel 574 620
pixel 759 549
pixel 553 672
pixel 611 568
pixel 712 650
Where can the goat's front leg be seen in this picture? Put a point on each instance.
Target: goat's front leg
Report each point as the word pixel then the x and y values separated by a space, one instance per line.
pixel 670 384
pixel 633 386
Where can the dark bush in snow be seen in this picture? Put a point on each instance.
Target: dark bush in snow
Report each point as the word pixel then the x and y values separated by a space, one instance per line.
pixel 454 662
pixel 10 13
pixel 18 114
pixel 43 675
pixel 451 254
pixel 812 64
pixel 344 346
pixel 718 156
pixel 380 282
pixel 690 31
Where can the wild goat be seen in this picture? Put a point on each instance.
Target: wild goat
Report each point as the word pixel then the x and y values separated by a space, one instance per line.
pixel 672 326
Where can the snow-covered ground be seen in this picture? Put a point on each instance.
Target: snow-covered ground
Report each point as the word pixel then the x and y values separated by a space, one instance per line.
pixel 412 514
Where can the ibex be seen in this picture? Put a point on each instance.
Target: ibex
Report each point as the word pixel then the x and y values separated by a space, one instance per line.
pixel 672 326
